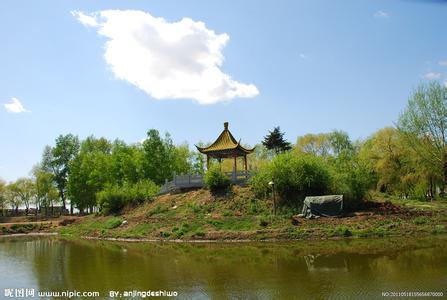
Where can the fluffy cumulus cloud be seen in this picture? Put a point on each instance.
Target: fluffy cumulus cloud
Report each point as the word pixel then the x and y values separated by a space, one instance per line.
pixel 167 60
pixel 432 75
pixel 15 106
pixel 443 63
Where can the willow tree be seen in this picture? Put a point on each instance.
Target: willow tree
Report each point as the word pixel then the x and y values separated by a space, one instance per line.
pixel 424 126
pixel 45 192
pixel 13 197
pixel 25 189
pixel 2 196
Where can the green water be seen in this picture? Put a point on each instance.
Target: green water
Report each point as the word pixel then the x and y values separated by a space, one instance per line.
pixel 357 269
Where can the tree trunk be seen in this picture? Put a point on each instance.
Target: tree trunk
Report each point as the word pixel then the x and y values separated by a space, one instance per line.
pixel 444 179
pixel 432 194
pixel 62 195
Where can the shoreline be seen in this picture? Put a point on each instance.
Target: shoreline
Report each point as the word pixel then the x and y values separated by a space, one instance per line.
pixel 29 234
pixel 216 241
pixel 267 240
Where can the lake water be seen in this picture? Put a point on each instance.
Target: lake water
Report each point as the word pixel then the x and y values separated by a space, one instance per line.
pixel 357 269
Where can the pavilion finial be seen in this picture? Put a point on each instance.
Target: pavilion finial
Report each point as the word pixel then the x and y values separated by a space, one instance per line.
pixel 226 125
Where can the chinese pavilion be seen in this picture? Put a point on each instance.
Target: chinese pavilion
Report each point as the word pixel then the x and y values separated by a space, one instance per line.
pixel 226 146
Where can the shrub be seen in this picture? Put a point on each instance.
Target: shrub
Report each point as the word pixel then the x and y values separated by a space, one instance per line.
pixel 259 182
pixel 419 192
pixel 295 177
pixel 350 179
pixel 114 197
pixel 216 180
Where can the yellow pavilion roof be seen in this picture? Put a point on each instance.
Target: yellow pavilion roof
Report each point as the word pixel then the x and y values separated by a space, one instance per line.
pixel 225 145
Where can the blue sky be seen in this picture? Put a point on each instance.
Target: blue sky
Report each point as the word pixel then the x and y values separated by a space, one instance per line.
pixel 307 66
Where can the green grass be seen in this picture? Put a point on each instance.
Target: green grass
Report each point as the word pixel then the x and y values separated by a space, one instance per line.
pixel 113 222
pixel 199 215
pixel 156 211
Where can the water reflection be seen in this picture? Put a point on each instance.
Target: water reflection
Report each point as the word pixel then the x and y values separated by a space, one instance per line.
pixel 338 269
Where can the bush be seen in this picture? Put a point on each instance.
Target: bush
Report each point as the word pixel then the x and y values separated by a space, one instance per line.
pixel 352 180
pixel 216 180
pixel 419 192
pixel 114 197
pixel 259 182
pixel 295 177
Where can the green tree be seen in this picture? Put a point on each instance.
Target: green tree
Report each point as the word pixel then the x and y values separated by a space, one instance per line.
pixel 275 141
pixel 398 168
pixel 335 144
pixel 90 171
pixel 2 196
pixel 424 125
pixel 161 157
pixel 317 144
pixel 350 175
pixel 57 161
pixel 125 163
pixel 341 144
pixel 383 152
pixel 26 191
pixel 45 191
pixel 196 160
pixel 13 197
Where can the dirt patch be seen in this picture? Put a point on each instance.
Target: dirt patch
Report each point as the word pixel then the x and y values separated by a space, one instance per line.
pixel 21 226
pixel 388 208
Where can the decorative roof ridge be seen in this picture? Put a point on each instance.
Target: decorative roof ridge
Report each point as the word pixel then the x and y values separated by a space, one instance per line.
pixel 225 141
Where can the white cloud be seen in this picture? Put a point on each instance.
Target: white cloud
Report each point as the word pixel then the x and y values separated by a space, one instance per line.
pixel 432 75
pixel 381 14
pixel 303 56
pixel 167 60
pixel 443 63
pixel 85 19
pixel 14 106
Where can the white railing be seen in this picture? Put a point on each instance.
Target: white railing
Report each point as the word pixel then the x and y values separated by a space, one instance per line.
pixel 196 181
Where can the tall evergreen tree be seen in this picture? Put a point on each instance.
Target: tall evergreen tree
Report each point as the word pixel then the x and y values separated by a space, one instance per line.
pixel 275 141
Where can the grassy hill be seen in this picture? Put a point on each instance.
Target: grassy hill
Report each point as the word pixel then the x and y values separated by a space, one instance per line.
pixel 239 215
